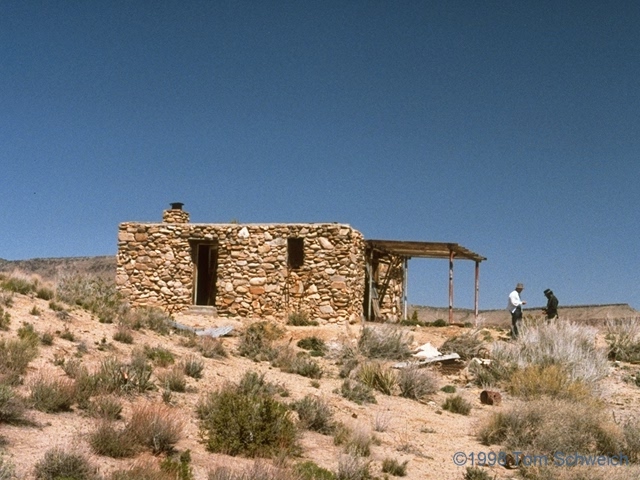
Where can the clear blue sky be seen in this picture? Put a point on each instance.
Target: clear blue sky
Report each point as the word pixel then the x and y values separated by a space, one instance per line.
pixel 511 128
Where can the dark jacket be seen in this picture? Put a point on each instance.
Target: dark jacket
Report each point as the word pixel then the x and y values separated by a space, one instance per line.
pixel 552 306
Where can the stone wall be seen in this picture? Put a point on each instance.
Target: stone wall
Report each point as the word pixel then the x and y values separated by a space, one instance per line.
pixel 155 267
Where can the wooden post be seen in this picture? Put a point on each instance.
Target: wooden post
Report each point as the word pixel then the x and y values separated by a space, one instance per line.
pixel 450 286
pixel 475 303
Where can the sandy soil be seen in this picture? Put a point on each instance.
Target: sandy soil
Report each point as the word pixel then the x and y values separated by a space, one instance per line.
pixel 420 432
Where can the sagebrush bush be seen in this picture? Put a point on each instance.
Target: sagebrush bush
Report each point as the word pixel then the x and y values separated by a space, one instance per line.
pixel 457 404
pixel 253 383
pixel 12 406
pixel 257 340
pixel 301 364
pixel 107 407
pixel 376 376
pixel 51 394
pixel 15 356
pixel 5 319
pixel 623 339
pixel 155 426
pixel 254 424
pixel 357 392
pixel 59 464
pixel 386 342
pixel 314 414
pixel 160 356
pixel 417 383
pixel 123 335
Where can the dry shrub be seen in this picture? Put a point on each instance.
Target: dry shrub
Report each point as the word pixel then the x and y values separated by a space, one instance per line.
pixel 467 345
pixel 155 426
pixel 395 468
pixel 211 347
pixel 160 356
pixel 51 394
pixel 388 342
pixel 192 366
pixel 5 319
pixel 58 464
pixel 112 442
pixel 550 425
pixel 377 377
pixel 353 468
pixel 123 334
pixel 300 363
pixel 7 469
pixel 417 383
pixel 257 471
pixel 93 294
pixel 457 404
pixel 12 406
pixel 174 379
pixel 358 442
pixel 108 407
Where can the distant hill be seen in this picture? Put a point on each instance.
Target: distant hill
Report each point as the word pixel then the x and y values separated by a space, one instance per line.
pixel 105 268
pixel 49 268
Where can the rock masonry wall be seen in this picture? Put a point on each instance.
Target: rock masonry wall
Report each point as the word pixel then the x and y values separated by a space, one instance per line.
pixel 155 267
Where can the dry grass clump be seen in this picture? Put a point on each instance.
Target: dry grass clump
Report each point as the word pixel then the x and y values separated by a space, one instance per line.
pixel 623 339
pixel 108 440
pixel 59 464
pixel 93 294
pixel 300 319
pixel 299 363
pixel 351 467
pixel 106 407
pixel 388 342
pixel 160 356
pixel 173 379
pixel 568 345
pixel 417 383
pixel 535 381
pixel 246 419
pixel 51 394
pixel 211 347
pixel 356 442
pixel 12 406
pixel 395 468
pixel 357 392
pixel 15 356
pixel 257 471
pixel 5 319
pixel 123 334
pixel 376 376
pixel 314 414
pixel 192 366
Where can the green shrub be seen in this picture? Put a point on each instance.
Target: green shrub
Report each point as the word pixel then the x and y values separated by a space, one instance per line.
pixel 28 333
pixel 235 422
pixel 67 335
pixel 152 318
pixel 52 394
pixel 357 392
pixel 395 468
pixel 301 364
pixel 377 377
pixel 58 464
pixel 55 306
pixel 386 342
pixel 457 404
pixel 193 366
pixel 448 389
pixel 47 338
pixel 109 441
pixel 19 283
pixel 439 323
pixel 476 473
pixel 257 340
pixel 314 344
pixel 253 383
pixel 179 468
pixel 310 471
pixel 314 414
pixel 44 293
pixel 300 319
pixel 417 383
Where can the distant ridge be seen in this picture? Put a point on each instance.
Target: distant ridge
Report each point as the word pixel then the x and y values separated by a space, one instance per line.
pixel 49 268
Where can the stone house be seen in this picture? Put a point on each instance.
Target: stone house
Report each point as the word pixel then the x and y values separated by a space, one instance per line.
pixel 325 270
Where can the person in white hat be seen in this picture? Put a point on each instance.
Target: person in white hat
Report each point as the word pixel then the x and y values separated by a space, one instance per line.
pixel 515 308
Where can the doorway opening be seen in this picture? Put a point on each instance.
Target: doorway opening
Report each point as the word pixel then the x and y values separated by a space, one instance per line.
pixel 205 257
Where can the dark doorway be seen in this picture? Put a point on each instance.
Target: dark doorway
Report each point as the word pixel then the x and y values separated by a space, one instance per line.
pixel 206 263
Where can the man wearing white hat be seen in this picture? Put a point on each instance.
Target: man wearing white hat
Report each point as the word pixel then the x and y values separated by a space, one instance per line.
pixel 515 308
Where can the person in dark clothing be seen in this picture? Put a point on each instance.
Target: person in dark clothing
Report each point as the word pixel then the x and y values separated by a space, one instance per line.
pixel 552 305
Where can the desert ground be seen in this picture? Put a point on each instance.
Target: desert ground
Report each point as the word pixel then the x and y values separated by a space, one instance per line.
pixel 421 432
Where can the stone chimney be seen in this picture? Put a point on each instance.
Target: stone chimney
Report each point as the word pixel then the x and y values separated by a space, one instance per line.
pixel 175 214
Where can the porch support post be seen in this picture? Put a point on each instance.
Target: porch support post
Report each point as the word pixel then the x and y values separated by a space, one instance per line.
pixel 477 289
pixel 450 286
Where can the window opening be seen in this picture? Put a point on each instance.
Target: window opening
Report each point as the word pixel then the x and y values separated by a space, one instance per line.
pixel 295 252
